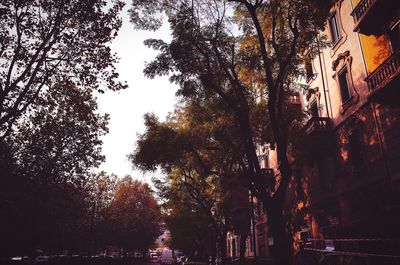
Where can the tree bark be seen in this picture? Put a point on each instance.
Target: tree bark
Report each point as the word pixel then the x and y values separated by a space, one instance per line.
pixel 281 250
pixel 222 242
pixel 242 249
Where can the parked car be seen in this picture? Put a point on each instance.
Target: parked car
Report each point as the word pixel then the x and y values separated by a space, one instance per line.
pixel 195 261
pixel 167 257
pixel 42 259
pixel 154 257
pixel 19 259
pixel 180 259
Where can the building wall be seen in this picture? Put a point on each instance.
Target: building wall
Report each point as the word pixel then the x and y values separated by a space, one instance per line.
pixel 350 187
pixel 347 185
pixel 345 188
pixel 328 96
pixel 375 49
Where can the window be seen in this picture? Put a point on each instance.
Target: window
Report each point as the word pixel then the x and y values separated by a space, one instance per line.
pixel 333 25
pixel 344 81
pixel 233 247
pixel 309 69
pixel 344 85
pixel 355 152
pixel 263 161
pixel 314 109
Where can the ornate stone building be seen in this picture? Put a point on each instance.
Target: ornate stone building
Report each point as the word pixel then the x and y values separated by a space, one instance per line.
pixel 348 187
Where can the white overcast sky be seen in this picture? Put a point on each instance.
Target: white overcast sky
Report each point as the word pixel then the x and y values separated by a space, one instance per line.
pixel 143 95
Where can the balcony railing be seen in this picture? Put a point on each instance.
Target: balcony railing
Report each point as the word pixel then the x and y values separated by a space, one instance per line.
pixel 370 16
pixel 385 73
pixel 318 124
pixel 361 9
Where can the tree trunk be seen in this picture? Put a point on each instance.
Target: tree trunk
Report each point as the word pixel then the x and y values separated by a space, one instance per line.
pixel 214 250
pixel 281 248
pixel 242 249
pixel 222 243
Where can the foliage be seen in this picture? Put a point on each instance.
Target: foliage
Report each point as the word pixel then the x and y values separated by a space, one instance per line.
pixel 134 217
pixel 46 164
pixel 100 191
pixel 180 208
pixel 53 56
pixel 195 153
pixel 41 216
pixel 58 141
pixel 210 58
pixel 43 43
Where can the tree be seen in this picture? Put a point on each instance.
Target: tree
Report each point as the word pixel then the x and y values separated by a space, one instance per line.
pixel 196 149
pixel 58 141
pixel 206 59
pixel 181 206
pixel 39 216
pixel 47 162
pixel 43 43
pixel 100 193
pixel 134 217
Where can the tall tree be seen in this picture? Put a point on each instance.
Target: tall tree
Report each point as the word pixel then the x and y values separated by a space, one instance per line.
pixel 100 190
pixel 196 149
pixel 134 217
pixel 205 57
pixel 46 163
pixel 45 42
pixel 182 206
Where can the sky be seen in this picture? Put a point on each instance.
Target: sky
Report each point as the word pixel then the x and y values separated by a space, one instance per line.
pixel 127 107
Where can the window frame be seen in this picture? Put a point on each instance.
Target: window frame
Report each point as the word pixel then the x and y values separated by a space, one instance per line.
pixel 343 75
pixel 334 28
pixel 308 67
pixel 343 63
pixel 314 108
pixel 335 14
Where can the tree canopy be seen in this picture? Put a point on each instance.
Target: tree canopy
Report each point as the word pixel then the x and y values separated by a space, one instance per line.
pixel 196 155
pixel 216 45
pixel 43 43
pixel 59 140
pixel 134 217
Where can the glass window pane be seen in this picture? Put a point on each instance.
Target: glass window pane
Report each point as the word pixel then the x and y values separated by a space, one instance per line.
pixel 333 24
pixel 344 87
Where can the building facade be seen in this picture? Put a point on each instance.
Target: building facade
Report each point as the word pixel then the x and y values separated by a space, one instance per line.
pixel 348 185
pixel 351 182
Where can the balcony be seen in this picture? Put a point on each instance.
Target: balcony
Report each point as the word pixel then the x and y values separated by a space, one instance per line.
pixel 316 125
pixel 371 16
pixel 386 75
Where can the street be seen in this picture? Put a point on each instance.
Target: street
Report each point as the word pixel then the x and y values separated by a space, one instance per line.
pixel 82 261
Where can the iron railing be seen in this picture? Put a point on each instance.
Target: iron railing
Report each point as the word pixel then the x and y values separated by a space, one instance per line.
pixel 361 10
pixel 385 72
pixel 318 124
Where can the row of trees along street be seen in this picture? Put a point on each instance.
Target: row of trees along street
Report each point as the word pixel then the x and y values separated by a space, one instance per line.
pixel 54 58
pixel 236 63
